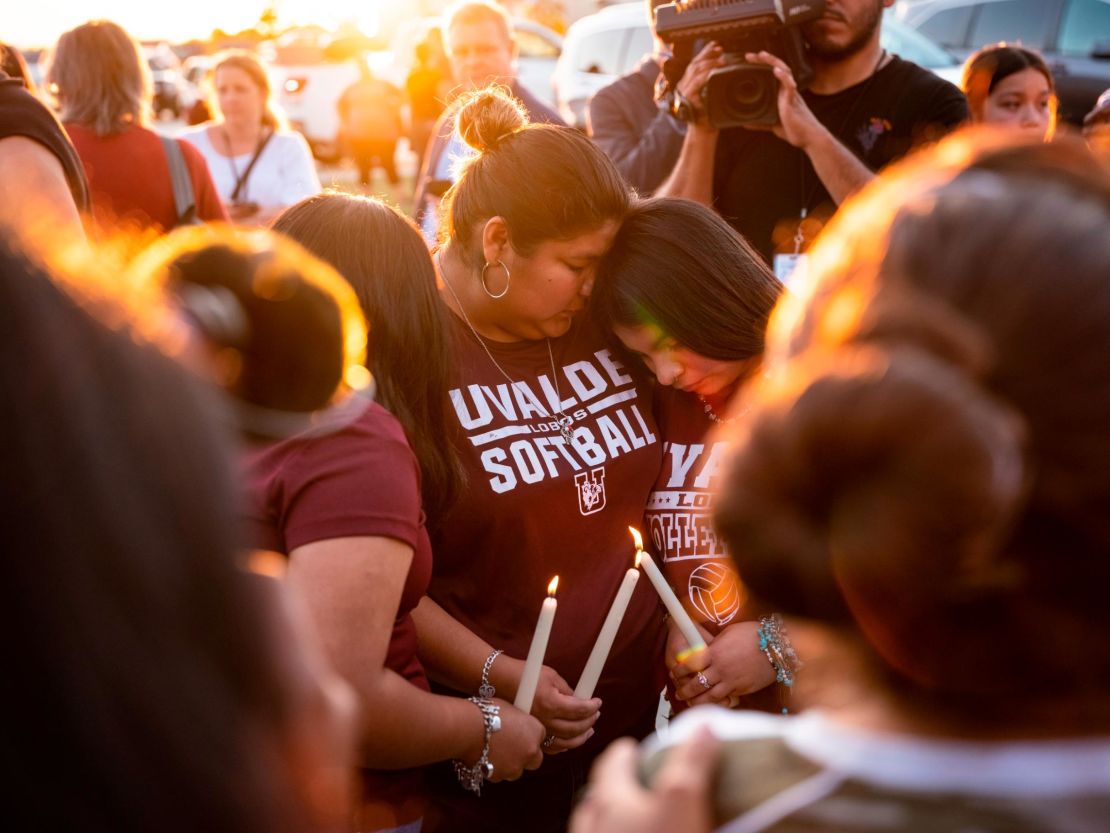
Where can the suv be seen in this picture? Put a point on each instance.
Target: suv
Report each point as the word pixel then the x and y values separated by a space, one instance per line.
pixel 1073 36
pixel 600 48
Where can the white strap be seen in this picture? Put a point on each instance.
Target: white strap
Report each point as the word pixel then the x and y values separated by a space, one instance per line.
pixel 785 803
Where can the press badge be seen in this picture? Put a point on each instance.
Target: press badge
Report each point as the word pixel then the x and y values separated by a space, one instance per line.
pixel 790 270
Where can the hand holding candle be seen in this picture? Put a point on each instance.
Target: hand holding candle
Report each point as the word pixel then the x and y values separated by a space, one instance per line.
pixel 674 607
pixel 592 672
pixel 526 691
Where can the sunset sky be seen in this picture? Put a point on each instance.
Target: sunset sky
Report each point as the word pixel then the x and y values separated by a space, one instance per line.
pixel 30 23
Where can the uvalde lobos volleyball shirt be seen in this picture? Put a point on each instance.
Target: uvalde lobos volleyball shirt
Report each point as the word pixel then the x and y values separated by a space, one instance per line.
pixel 536 507
pixel 679 512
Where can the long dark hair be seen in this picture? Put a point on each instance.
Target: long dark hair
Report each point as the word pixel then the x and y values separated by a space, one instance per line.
pixel 678 266
pixel 141 675
pixel 382 255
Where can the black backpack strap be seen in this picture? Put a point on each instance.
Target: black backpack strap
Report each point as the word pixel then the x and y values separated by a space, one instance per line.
pixel 241 184
pixel 184 202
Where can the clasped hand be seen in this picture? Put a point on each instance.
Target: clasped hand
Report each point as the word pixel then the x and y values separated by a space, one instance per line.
pixel 731 663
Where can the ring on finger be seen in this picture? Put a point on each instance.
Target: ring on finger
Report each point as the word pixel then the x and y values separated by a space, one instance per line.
pixel 547 741
pixel 701 678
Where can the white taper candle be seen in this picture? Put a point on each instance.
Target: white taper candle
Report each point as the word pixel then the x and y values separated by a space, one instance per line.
pixel 674 607
pixel 592 672
pixel 526 691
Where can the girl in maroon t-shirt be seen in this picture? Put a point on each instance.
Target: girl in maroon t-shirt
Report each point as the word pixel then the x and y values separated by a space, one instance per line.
pixel 688 296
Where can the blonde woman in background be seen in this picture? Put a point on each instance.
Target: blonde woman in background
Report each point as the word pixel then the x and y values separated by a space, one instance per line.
pixel 259 166
pixel 103 89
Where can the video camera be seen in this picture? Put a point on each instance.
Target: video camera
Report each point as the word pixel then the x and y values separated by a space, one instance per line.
pixel 739 93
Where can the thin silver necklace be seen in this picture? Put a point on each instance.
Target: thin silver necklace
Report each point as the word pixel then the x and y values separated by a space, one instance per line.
pixel 564 421
pixel 717 418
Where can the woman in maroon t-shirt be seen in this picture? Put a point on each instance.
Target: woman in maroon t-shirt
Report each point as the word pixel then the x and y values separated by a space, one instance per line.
pixel 560 450
pixel 688 296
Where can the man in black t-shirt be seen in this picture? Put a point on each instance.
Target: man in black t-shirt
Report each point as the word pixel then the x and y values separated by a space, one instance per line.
pixel 864 109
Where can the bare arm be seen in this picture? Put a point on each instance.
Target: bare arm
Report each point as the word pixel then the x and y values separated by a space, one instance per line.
pixel 692 177
pixel 454 655
pixel 352 587
pixel 34 195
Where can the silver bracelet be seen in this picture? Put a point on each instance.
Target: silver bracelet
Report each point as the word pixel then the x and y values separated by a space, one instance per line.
pixel 486 689
pixel 471 777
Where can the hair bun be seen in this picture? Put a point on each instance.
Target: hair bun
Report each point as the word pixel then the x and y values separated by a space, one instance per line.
pixel 875 486
pixel 486 117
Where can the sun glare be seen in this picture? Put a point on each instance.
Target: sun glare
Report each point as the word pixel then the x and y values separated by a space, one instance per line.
pixel 40 24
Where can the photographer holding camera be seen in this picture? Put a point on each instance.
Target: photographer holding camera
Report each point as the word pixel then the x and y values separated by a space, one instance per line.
pixel 777 171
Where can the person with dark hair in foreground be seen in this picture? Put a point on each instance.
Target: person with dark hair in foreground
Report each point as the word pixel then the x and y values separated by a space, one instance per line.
pixel 153 682
pixel 921 487
pixel 684 293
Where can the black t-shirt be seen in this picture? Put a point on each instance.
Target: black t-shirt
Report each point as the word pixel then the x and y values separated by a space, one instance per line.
pixel 761 183
pixel 21 114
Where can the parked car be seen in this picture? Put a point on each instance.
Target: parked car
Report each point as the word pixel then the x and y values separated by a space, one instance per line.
pixel 601 47
pixel 1073 36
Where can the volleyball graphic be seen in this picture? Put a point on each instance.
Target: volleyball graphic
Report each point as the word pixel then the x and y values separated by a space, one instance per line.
pixel 715 592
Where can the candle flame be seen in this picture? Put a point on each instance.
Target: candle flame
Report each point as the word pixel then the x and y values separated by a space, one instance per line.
pixel 553 586
pixel 639 555
pixel 636 538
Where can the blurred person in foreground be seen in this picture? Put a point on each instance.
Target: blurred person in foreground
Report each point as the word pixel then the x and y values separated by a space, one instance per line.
pixel 259 165
pixel 482 52
pixel 155 682
pixel 921 487
pixel 1010 86
pixel 103 88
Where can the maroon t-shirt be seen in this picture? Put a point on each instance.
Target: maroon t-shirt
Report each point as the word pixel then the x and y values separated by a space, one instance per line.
pixel 129 178
pixel 362 480
pixel 536 507
pixel 679 512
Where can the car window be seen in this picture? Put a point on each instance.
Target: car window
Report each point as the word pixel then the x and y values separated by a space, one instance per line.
pixel 599 53
pixel 948 27
pixel 1086 22
pixel 639 45
pixel 913 46
pixel 532 45
pixel 1020 21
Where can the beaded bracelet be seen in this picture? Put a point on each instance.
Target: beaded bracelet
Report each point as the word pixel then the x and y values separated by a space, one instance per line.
pixel 775 645
pixel 471 777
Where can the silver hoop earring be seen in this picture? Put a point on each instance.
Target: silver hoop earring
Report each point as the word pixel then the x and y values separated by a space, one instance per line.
pixel 508 277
